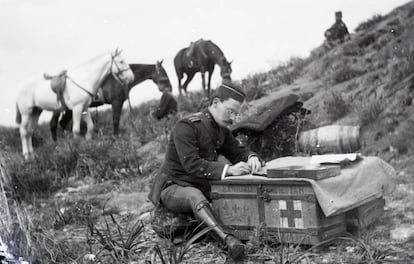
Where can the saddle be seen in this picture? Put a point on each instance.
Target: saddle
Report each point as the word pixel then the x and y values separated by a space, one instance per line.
pixel 191 55
pixel 58 84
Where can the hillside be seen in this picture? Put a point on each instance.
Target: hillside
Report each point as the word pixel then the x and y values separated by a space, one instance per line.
pixel 78 198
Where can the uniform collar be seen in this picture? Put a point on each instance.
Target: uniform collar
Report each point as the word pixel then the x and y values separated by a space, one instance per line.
pixel 210 118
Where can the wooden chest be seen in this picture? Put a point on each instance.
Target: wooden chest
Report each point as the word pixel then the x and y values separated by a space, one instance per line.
pixel 361 217
pixel 287 211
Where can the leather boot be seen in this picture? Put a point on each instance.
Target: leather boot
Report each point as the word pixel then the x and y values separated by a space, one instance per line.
pixel 234 246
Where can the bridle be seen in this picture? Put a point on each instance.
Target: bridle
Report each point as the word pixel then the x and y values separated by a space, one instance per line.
pixel 119 70
pixel 114 74
pixel 159 77
pixel 227 73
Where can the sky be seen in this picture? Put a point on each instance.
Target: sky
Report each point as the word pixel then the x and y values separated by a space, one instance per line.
pixel 38 36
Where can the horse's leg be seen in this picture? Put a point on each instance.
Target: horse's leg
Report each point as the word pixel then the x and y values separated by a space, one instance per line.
pixel 53 124
pixel 76 123
pixel 116 115
pixel 66 118
pixel 89 124
pixel 180 75
pixel 203 81
pixel 190 76
pixel 179 84
pixel 24 135
pixel 32 126
pixel 209 83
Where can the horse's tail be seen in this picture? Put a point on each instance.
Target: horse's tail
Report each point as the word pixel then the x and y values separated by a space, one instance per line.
pixel 18 115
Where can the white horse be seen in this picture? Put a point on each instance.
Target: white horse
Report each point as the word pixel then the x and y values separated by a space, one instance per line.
pixel 82 84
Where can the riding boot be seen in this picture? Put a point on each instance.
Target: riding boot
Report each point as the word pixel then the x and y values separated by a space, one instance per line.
pixel 234 246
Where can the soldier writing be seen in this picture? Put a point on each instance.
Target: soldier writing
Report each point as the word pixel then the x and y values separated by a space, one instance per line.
pixel 191 162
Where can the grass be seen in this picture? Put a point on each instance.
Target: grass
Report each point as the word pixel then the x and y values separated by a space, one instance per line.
pixel 169 252
pixel 117 242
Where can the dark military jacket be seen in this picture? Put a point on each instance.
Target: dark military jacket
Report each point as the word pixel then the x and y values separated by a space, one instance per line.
pixel 192 153
pixel 337 31
pixel 168 105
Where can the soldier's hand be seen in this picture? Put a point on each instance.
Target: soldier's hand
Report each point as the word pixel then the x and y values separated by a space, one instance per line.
pixel 239 168
pixel 254 164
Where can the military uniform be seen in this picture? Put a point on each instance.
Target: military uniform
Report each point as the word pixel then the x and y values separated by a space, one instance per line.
pixel 337 31
pixel 191 162
pixel 192 154
pixel 168 105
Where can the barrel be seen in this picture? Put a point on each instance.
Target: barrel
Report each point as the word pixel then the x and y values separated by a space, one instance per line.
pixel 330 139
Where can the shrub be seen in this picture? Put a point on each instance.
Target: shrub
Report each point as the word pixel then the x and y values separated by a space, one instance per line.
pixel 279 139
pixel 193 102
pixel 369 23
pixel 368 111
pixel 351 49
pixel 9 138
pixel 287 72
pixel 335 106
pixel 255 86
pixel 403 140
pixel 319 70
pixel 366 40
pixel 317 53
pixel 32 178
pixel 345 73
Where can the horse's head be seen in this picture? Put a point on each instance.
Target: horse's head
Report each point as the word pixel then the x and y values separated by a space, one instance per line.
pixel 160 77
pixel 225 69
pixel 120 68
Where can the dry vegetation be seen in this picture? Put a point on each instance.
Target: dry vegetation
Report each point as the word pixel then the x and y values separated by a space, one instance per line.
pixel 85 201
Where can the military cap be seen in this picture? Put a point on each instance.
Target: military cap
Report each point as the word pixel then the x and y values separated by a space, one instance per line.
pixel 229 89
pixel 338 13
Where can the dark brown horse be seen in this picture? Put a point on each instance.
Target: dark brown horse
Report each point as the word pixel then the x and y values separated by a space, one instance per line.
pixel 201 56
pixel 116 94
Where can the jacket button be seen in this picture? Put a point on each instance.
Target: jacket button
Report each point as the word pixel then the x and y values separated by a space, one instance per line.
pixel 201 169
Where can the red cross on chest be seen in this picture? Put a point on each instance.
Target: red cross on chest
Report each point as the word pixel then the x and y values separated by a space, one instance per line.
pixel 291 212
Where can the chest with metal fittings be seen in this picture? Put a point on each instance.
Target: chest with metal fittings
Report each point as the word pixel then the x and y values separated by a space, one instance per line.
pixel 282 211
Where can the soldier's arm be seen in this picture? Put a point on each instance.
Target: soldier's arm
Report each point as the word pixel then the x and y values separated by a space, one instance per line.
pixel 185 140
pixel 233 151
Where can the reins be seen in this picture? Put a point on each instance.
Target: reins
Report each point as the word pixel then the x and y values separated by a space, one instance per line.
pixel 120 71
pixel 85 90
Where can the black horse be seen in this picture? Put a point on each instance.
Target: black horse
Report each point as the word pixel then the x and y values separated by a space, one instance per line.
pixel 115 94
pixel 201 56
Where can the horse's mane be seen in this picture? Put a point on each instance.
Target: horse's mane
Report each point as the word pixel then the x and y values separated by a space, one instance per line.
pixel 99 56
pixel 214 45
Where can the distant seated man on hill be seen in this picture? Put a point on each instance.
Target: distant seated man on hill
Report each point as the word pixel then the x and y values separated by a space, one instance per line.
pixel 191 162
pixel 167 106
pixel 337 32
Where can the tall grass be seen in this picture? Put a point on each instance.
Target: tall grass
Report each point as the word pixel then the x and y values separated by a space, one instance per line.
pixel 15 224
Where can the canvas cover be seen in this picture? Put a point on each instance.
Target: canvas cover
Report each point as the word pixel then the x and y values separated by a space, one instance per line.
pixel 358 183
pixel 260 120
